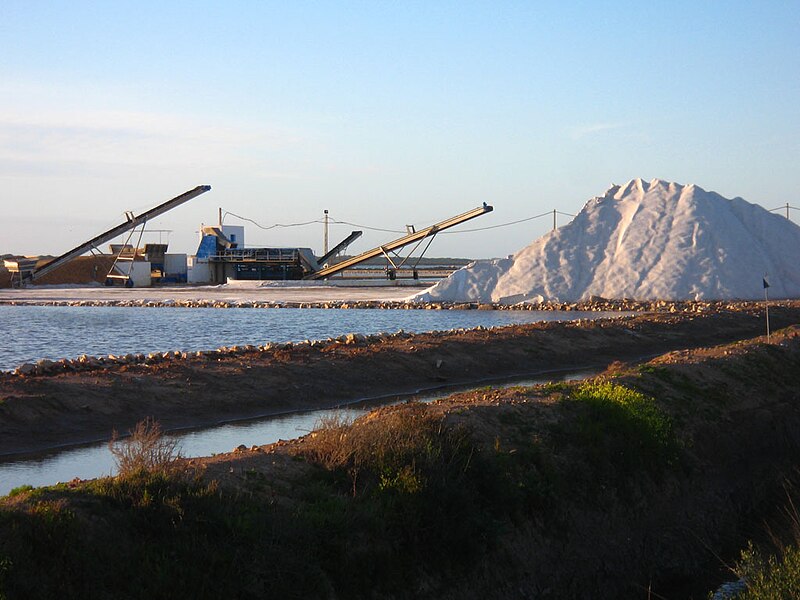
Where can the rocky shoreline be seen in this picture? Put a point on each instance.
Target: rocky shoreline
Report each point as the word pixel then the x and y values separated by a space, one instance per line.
pixel 591 305
pixel 85 362
pixel 92 363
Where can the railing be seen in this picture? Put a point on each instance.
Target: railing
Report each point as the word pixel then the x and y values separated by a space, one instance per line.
pixel 265 255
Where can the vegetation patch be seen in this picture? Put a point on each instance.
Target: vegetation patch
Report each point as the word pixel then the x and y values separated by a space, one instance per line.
pixel 769 577
pixel 618 430
pixel 423 487
pixel 145 449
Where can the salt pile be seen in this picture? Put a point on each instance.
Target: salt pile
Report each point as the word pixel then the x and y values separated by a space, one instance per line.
pixel 645 241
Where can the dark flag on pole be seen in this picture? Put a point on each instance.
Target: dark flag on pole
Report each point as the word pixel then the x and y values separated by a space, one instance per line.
pixel 766 302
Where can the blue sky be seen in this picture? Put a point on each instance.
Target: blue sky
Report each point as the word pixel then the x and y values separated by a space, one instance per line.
pixel 385 113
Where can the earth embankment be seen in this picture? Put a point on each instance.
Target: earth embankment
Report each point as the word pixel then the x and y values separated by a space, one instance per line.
pixel 645 481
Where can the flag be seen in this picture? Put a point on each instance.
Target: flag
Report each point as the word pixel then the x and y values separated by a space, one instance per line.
pixel 766 284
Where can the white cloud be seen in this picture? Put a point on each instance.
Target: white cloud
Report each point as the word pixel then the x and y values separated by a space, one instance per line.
pixel 89 140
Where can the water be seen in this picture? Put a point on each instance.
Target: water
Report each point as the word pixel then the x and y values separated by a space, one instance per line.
pixel 95 460
pixel 30 333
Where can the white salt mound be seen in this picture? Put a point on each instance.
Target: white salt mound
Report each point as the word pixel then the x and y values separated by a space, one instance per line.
pixel 645 241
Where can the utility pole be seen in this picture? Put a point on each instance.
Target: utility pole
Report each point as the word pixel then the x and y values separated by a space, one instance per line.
pixel 787 210
pixel 220 219
pixel 325 236
pixel 554 219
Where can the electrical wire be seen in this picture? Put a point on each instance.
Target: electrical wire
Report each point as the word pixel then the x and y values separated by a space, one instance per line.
pixel 366 226
pixel 546 214
pixel 337 222
pixel 267 228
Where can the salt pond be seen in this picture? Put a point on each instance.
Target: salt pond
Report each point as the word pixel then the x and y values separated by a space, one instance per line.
pixel 30 333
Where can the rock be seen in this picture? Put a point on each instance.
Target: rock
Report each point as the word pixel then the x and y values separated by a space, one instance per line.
pixel 354 338
pixel 25 369
pixel 44 365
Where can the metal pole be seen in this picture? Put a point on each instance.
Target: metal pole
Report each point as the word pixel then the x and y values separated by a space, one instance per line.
pixel 787 210
pixel 325 237
pixel 220 219
pixel 766 310
pixel 554 219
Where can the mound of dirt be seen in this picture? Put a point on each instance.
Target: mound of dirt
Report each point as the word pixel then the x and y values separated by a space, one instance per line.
pixel 80 270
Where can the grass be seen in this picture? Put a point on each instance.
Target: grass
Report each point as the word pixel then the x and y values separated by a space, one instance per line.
pixel 20 490
pixel 618 431
pixel 774 573
pixel 387 499
pixel 770 577
pixel 413 480
pixel 152 535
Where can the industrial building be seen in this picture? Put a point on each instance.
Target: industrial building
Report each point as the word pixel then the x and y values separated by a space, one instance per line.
pixel 223 256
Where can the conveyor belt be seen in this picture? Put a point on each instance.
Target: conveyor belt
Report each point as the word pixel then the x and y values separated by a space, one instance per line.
pixel 119 229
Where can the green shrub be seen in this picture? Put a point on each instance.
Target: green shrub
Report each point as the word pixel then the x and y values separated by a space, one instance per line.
pixel 40 550
pixel 420 492
pixel 20 490
pixel 622 430
pixel 399 446
pixel 652 369
pixel 770 578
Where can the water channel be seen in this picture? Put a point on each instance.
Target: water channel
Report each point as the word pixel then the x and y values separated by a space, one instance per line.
pixel 95 460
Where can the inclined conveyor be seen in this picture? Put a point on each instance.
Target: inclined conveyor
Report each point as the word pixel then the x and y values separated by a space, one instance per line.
pixel 131 223
pixel 413 237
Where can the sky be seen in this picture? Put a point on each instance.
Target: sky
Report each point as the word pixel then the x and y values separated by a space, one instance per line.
pixel 384 113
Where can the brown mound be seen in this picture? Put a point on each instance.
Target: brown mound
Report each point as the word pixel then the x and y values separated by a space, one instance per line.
pixel 84 269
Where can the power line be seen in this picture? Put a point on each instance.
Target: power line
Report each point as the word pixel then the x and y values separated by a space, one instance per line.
pixel 366 226
pixel 384 230
pixel 785 207
pixel 548 213
pixel 266 228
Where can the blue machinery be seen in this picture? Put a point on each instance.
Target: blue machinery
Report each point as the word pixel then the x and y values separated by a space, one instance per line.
pixel 228 261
